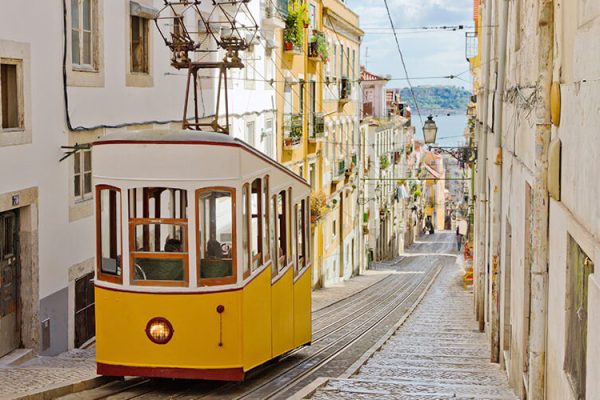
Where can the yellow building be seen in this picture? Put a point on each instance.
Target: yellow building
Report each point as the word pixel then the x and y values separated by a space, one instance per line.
pixel 317 122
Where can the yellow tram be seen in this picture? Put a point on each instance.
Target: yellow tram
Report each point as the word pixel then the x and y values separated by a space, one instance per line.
pixel 203 256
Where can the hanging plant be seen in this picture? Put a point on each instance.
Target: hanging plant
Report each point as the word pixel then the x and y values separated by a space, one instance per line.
pixel 318 205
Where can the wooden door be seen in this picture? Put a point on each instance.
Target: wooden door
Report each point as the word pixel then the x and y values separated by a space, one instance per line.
pixel 9 282
pixel 85 323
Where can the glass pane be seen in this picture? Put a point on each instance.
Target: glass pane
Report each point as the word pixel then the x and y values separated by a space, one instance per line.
pixel 160 237
pixel 215 234
pixel 158 269
pixel 281 222
pixel 87 160
pixel 272 232
pixel 110 231
pixel 87 48
pixel 157 202
pixel 87 15
pixel 9 96
pixel 77 185
pixel 75 47
pixel 77 162
pixel 255 224
pixel 75 14
pixel 265 212
pixel 87 183
pixel 245 262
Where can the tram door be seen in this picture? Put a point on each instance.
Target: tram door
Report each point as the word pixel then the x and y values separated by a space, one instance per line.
pixel 9 282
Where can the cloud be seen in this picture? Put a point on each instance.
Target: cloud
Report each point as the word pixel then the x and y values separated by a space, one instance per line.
pixel 427 53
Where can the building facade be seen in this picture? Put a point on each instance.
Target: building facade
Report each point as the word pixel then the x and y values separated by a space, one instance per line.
pixel 537 218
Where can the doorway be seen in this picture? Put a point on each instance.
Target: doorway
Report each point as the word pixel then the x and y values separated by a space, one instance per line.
pixel 85 323
pixel 10 335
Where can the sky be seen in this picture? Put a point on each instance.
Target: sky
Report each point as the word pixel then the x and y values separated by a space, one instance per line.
pixel 426 53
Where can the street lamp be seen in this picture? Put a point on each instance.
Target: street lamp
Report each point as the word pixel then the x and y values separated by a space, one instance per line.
pixel 429 130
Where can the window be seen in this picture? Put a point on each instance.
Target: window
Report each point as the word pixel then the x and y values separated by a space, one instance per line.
pixel 108 231
pixel 256 225
pixel 266 242
pixel 11 111
pixel 268 135
pixel 273 233
pixel 301 235
pixel 334 61
pixel 245 226
pixel 158 236
pixel 289 230
pixel 282 249
pixel 353 64
pixel 82 32
pixel 82 175
pixel 579 267
pixel 312 176
pixel 139 44
pixel 268 64
pixel 215 237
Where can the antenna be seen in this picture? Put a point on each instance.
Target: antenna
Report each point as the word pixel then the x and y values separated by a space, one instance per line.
pixel 228 25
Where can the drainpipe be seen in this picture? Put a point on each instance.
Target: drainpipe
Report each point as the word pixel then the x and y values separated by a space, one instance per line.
pixel 496 195
pixel 482 165
pixel 539 266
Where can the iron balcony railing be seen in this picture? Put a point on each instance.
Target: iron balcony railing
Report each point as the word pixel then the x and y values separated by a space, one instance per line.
pixel 316 126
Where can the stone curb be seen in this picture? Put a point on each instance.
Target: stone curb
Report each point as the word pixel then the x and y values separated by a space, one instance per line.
pixel 63 389
pixel 312 387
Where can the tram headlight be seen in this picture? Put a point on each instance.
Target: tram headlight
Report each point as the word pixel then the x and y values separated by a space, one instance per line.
pixel 159 330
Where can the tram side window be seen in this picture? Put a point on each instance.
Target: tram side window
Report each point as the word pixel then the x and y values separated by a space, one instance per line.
pixel 282 225
pixel 307 235
pixel 273 233
pixel 289 230
pixel 301 235
pixel 266 244
pixel 215 235
pixel 256 224
pixel 245 244
pixel 158 235
pixel 109 232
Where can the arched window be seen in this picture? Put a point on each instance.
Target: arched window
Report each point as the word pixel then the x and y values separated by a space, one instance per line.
pixel 158 236
pixel 215 236
pixel 245 226
pixel 108 231
pixel 282 237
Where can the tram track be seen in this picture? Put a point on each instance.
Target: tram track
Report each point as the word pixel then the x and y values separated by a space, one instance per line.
pixel 275 386
pixel 341 328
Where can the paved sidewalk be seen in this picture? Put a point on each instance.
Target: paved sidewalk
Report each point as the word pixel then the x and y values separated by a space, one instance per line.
pixel 48 377
pixel 438 353
pixel 62 374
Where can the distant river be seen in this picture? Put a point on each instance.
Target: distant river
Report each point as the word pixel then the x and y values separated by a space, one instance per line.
pixel 451 128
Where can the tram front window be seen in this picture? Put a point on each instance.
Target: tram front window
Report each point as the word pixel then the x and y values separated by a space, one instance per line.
pixel 158 230
pixel 215 236
pixel 108 216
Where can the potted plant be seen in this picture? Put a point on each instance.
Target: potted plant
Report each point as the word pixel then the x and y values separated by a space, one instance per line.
pixel 295 23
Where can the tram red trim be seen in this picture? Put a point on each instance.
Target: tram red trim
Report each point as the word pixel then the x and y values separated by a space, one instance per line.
pixel 240 145
pixel 225 374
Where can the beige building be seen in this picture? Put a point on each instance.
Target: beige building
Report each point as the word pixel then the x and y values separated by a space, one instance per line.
pixel 537 217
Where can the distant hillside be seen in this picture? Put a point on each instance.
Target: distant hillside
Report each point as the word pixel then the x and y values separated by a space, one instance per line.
pixel 440 99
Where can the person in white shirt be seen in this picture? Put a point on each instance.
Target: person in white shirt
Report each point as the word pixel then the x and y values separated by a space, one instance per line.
pixel 461 231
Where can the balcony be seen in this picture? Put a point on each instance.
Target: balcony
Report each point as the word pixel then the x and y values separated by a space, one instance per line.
pixel 292 131
pixel 317 47
pixel 345 90
pixel 316 128
pixel 338 171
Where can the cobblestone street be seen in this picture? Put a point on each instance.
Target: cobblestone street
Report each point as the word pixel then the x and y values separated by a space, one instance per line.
pixel 438 353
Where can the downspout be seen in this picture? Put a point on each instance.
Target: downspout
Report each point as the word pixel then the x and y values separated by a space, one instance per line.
pixel 482 165
pixel 496 195
pixel 539 266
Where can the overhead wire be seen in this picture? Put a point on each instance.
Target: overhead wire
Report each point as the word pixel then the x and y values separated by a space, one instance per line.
pixel 412 91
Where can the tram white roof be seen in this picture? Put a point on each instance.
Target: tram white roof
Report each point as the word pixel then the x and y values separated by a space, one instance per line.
pixel 119 162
